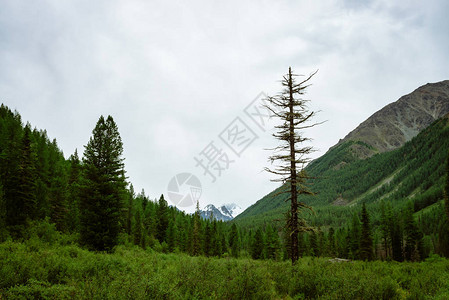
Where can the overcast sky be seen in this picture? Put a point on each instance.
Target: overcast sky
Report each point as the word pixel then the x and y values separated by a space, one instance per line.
pixel 175 74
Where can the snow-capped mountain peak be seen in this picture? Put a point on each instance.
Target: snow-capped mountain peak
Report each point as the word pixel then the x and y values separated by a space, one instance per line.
pixel 225 212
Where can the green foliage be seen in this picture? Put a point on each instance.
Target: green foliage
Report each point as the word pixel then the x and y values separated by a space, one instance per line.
pixel 366 239
pixel 234 242
pixel 103 187
pixel 65 271
pixel 162 220
pixel 196 233
pixel 415 172
pixel 257 245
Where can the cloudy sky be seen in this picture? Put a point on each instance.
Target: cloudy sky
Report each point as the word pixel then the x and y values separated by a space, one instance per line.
pixel 176 74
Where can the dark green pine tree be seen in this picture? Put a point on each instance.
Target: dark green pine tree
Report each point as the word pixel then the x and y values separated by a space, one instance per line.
pixel 171 234
pixel 443 234
pixel 386 238
pixel 215 240
pixel 162 220
pixel 257 245
pixel 196 232
pixel 354 240
pixel 446 190
pixel 272 242
pixel 366 238
pixel 25 203
pixel 3 231
pixel 331 245
pixel 412 236
pixel 104 187
pixel 234 241
pixel 129 210
pixel 208 240
pixel 58 198
pixel 313 242
pixel 396 235
pixel 11 134
pixel 74 185
pixel 138 232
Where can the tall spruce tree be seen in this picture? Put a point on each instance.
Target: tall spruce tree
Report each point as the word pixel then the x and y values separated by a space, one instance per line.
pixel 331 239
pixel 74 184
pixel 234 240
pixel 366 238
pixel 24 205
pixel 196 232
pixel 58 198
pixel 3 231
pixel 291 109
pixel 104 187
pixel 257 245
pixel 162 220
pixel 446 190
pixel 354 238
pixel 272 242
pixel 412 236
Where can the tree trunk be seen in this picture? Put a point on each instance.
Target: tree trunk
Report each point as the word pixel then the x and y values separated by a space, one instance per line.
pixel 293 190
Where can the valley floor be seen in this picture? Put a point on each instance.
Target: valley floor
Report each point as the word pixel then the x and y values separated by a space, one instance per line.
pixel 38 270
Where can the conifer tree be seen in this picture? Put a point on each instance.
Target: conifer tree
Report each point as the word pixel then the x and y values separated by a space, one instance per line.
pixel 138 230
pixel 446 190
pixel 215 240
pixel 74 185
pixel 129 209
pixel 23 208
pixel 386 240
pixel 322 245
pixel 396 237
pixel 58 198
pixel 331 242
pixel 412 235
pixel 208 240
pixel 293 112
pixel 3 231
pixel 257 245
pixel 272 242
pixel 171 234
pixel 162 220
pixel 10 154
pixel 104 187
pixel 196 233
pixel 302 245
pixel 234 241
pixel 313 241
pixel 355 233
pixel 366 238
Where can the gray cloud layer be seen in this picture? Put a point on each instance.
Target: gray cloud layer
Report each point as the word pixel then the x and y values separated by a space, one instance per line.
pixel 175 74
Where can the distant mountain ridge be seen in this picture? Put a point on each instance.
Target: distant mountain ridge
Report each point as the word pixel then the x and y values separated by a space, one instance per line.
pixel 226 212
pixel 400 121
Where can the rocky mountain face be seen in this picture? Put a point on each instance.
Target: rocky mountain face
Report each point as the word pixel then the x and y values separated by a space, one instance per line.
pixel 225 212
pixel 395 124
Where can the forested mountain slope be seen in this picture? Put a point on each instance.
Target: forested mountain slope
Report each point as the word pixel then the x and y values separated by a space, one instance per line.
pixel 412 172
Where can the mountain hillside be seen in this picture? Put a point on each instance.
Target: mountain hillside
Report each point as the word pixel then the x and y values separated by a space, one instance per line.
pixel 400 121
pixel 361 169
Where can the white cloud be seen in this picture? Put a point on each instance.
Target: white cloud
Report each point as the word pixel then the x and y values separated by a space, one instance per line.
pixel 175 74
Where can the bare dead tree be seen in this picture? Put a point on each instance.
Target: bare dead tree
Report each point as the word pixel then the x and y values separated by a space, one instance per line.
pixel 292 154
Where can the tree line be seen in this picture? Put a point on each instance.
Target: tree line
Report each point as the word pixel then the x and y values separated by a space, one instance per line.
pixel 90 199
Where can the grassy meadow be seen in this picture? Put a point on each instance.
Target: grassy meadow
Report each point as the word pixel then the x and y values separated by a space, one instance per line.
pixel 55 267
